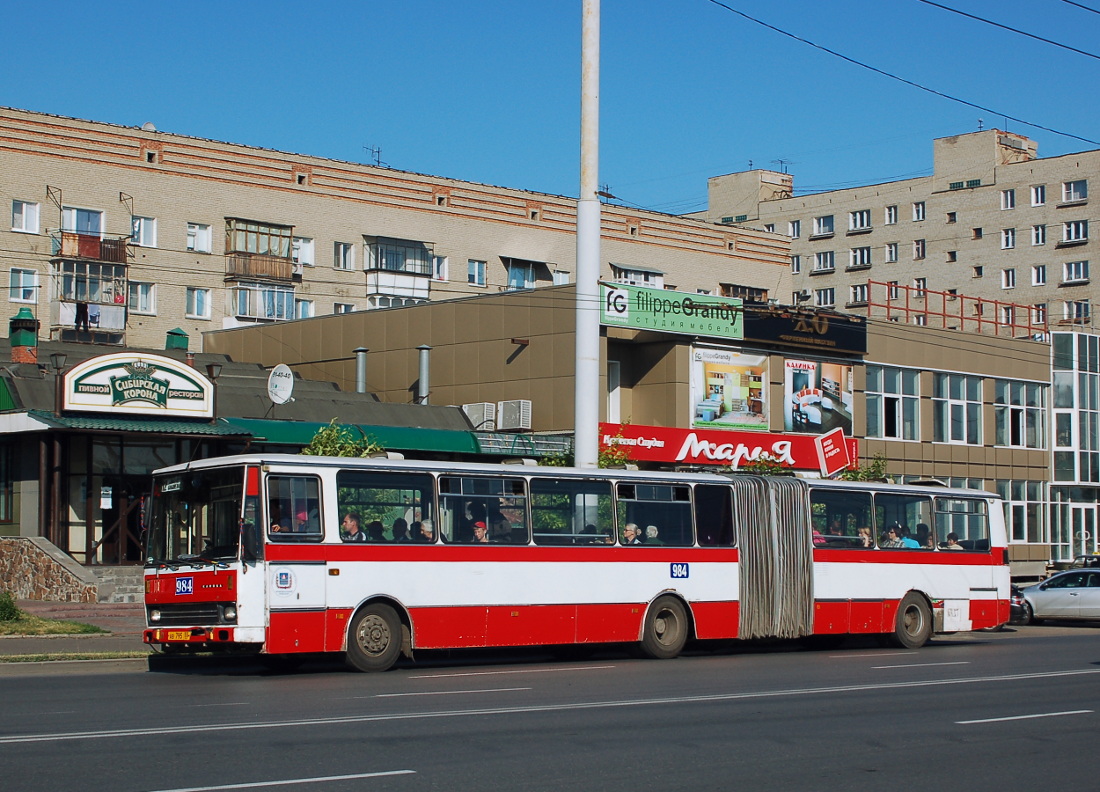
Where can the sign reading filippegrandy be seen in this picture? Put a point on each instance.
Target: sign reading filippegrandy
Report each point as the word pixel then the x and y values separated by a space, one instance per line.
pixel 136 383
pixel 671 312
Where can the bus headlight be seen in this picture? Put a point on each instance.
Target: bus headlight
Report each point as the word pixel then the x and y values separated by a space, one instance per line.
pixel 154 616
pixel 230 613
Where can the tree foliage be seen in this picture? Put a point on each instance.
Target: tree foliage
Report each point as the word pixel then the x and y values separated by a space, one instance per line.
pixel 341 441
pixel 875 470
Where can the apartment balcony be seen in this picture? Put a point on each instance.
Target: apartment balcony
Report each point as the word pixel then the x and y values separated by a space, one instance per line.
pixel 407 286
pixel 73 245
pixel 261 267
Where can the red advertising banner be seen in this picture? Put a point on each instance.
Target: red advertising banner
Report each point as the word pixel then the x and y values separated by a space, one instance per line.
pixel 730 448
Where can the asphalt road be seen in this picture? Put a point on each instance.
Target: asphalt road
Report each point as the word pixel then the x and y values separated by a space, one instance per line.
pixel 999 711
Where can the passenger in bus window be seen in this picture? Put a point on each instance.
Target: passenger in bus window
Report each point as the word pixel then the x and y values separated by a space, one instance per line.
pixel 481 533
pixel 907 541
pixel 301 523
pixel 500 530
pixel 278 522
pixel 425 532
pixel 400 530
pixel 953 542
pixel 651 535
pixel 350 528
pixel 924 537
pixel 891 539
pixel 630 534
pixel 375 531
pixel 865 537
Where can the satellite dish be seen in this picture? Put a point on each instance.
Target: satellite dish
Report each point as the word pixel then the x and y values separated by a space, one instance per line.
pixel 280 384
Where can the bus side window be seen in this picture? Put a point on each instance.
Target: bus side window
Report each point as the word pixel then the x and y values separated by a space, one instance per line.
pixel 714 515
pixel 294 508
pixel 662 513
pixel 571 512
pixel 841 518
pixel 965 517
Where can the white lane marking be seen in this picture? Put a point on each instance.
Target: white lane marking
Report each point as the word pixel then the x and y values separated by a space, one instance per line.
pixel 878 654
pixel 289 781
pixel 583 705
pixel 519 671
pixel 443 693
pixel 1025 717
pixel 222 704
pixel 921 665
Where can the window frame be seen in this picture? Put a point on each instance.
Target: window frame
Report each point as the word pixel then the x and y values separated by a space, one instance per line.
pixel 136 304
pixel 199 238
pixel 143 231
pixel 920 211
pixel 22 287
pixel 24 227
pixel 191 302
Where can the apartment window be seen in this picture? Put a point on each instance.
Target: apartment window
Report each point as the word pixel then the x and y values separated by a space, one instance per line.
pixel 1075 231
pixel 859 220
pixel 521 275
pixel 956 409
pixel 301 251
pixel 952 256
pixel 342 308
pixel 24 217
pixel 1039 313
pixel 1008 278
pixel 1038 235
pixel 1039 275
pixel 398 255
pixel 92 282
pixel 823 225
pixel 891 252
pixel 439 268
pixel 1008 199
pixel 920 320
pixel 769 227
pixel 23 285
pixel 919 249
pixel 144 231
pixel 1008 315
pixel 1077 310
pixel 919 287
pixel 143 298
pixel 890 216
pixel 892 290
pixel 82 221
pixel 978 271
pixel 1020 415
pixel 475 272
pixel 794 229
pixel 198 303
pixel 1008 238
pixel 858 294
pixel 261 239
pixel 952 217
pixel 1075 190
pixel 746 293
pixel 1075 272
pixel 825 298
pixel 893 403
pixel 859 258
pixel 825 261
pixel 976 233
pixel 343 255
pixel 303 309
pixel 198 237
pixel 638 277
pixel 796 264
pixel 918 210
pixel 1038 194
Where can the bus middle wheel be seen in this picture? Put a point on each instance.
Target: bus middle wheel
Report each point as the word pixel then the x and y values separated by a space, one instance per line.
pixel 374 641
pixel 666 629
pixel 913 624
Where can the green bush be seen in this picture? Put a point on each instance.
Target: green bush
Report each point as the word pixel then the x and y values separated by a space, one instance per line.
pixel 8 609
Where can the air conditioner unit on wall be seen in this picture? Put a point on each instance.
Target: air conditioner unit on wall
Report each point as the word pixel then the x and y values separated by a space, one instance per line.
pixel 514 415
pixel 483 415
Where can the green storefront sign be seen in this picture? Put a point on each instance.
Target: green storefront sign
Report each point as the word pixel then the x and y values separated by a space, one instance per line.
pixel 671 312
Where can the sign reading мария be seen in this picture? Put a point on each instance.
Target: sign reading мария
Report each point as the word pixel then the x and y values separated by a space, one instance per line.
pixel 671 312
pixel 138 384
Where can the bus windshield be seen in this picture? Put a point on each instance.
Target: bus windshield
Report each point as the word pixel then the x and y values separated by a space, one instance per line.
pixel 197 517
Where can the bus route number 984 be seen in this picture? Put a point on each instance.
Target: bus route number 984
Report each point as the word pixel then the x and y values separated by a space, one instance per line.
pixel 678 570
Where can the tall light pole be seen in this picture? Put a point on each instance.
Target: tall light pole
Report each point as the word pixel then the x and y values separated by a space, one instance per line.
pixel 587 373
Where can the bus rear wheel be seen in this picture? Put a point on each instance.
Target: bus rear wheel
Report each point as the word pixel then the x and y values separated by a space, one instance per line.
pixel 374 641
pixel 666 629
pixel 913 623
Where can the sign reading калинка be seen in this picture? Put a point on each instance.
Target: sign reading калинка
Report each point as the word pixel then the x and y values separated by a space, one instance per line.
pixel 671 312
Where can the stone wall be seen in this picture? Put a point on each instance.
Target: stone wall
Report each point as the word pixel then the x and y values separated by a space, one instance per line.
pixel 34 569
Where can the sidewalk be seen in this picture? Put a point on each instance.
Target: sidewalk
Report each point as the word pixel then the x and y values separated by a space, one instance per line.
pixel 124 621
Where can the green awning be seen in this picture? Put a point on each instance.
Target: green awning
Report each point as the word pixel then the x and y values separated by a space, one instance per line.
pixel 392 438
pixel 138 425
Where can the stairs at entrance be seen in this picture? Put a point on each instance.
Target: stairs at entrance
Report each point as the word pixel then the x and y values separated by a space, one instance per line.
pixel 120 583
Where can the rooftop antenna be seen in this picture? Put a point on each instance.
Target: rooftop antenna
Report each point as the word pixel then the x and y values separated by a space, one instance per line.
pixel 605 192
pixel 782 163
pixel 980 125
pixel 376 155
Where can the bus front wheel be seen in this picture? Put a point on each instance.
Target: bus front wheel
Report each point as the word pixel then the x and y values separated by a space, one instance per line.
pixel 913 623
pixel 666 629
pixel 374 642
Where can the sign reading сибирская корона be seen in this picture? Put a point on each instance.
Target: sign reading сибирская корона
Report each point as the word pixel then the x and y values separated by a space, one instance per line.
pixel 138 384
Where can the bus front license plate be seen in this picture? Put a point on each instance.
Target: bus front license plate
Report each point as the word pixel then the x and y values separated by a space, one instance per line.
pixel 179 635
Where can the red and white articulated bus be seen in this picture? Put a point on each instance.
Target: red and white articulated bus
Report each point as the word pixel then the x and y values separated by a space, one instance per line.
pixel 373 558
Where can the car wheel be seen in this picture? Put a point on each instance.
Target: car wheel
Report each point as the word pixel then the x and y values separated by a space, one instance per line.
pixel 1029 615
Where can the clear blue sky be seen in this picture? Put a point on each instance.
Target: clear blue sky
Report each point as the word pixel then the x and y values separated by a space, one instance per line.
pixel 489 91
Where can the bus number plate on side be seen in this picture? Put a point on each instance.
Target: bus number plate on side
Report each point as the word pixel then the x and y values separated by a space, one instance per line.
pixel 678 570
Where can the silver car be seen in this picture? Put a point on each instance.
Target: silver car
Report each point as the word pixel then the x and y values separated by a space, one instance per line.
pixel 1073 594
